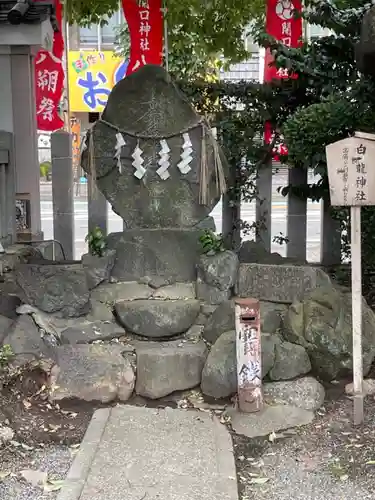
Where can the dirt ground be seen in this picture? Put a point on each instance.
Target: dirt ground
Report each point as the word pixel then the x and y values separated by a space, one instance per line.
pixel 330 445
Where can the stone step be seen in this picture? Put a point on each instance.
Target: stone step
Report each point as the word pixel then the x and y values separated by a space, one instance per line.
pixel 133 453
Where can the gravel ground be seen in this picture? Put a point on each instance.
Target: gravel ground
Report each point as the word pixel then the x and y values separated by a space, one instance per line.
pixel 53 459
pixel 326 460
pixel 290 479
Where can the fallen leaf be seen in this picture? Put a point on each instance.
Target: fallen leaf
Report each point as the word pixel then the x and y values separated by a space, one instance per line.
pixel 345 477
pixel 272 437
pixel 34 477
pixel 26 447
pixel 3 475
pixel 26 404
pixel 259 480
pixel 370 462
pixel 53 485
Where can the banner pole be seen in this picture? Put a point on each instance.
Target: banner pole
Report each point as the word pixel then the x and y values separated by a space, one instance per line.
pixel 166 47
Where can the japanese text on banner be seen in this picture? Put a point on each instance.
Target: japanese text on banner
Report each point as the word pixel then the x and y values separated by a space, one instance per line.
pixel 145 22
pixel 49 82
pixel 283 26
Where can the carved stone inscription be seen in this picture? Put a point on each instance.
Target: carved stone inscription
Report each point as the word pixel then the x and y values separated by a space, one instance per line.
pixel 278 283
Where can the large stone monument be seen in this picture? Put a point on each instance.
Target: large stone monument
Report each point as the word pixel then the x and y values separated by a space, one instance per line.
pixel 156 161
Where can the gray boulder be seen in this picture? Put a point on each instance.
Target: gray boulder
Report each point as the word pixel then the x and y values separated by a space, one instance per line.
pixel 163 368
pixel 85 333
pixel 222 319
pixel 283 284
pixel 8 305
pixel 219 376
pixel 253 252
pixel 110 293
pixel 26 342
pixel 306 393
pixel 98 269
pixel 163 255
pixel 55 287
pixel 91 373
pixel 157 318
pixel 322 324
pixel 5 324
pixel 211 294
pixel 220 270
pixel 291 361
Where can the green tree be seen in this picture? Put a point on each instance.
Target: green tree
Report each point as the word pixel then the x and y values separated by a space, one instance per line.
pixel 199 31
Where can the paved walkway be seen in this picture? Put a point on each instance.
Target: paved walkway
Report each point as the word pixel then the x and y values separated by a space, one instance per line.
pixel 132 453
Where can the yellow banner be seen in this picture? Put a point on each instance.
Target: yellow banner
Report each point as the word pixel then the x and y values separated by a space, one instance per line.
pixel 92 75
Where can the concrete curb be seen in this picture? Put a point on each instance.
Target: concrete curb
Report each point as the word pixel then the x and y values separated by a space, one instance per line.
pixel 81 465
pixel 227 484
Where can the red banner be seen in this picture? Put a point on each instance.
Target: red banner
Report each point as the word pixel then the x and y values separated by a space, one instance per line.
pixel 49 83
pixel 283 26
pixel 145 22
pixel 49 80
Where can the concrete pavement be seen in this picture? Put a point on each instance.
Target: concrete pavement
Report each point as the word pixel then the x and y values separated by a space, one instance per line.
pixel 137 453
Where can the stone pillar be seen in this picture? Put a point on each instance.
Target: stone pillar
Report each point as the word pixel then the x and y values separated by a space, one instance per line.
pixel 264 206
pixel 97 207
pixel 62 191
pixel 297 217
pixel 330 237
pixel 7 181
pixel 25 134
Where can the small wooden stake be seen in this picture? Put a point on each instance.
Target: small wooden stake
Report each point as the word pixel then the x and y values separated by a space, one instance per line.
pixel 248 348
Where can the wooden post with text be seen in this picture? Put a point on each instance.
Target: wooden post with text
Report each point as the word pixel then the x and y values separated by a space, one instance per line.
pixel 352 184
pixel 249 362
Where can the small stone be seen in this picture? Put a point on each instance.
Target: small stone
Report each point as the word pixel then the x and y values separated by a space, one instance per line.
pixel 271 316
pixel 306 393
pixel 90 332
pixel 128 290
pixel 270 419
pixel 6 434
pixel 291 361
pixel 98 269
pixel 177 291
pixel 368 388
pixel 220 270
pixel 157 318
pixel 211 294
pixel 93 372
pixel 168 367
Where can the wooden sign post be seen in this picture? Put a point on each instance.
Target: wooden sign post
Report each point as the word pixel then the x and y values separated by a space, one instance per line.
pixel 352 184
pixel 249 361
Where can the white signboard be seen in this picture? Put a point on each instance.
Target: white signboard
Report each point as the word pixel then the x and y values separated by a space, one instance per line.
pixel 351 175
pixel 351 171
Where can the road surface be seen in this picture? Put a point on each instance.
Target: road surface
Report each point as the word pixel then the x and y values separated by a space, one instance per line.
pixel 279 211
